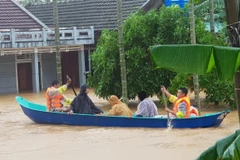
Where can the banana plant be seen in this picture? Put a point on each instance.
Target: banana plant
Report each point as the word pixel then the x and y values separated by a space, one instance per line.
pixel 225 149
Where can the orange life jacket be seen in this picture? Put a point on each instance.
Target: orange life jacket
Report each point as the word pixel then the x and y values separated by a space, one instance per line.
pixel 194 111
pixel 180 100
pixel 55 101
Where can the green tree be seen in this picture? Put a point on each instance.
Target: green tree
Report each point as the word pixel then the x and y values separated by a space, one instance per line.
pixel 106 69
pixel 122 54
pixel 140 32
pixel 216 90
pixel 170 25
pixel 203 8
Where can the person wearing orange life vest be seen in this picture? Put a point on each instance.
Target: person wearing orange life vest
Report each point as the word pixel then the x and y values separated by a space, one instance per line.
pixel 56 101
pixel 182 106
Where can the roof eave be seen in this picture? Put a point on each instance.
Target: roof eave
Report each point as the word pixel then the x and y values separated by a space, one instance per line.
pixel 152 4
pixel 30 14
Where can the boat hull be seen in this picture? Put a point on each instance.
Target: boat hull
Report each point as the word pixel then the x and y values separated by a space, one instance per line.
pixel 38 114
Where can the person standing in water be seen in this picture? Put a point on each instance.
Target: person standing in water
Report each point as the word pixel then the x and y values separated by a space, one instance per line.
pixel 82 104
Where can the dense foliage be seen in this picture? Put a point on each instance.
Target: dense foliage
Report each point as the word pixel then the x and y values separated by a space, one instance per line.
pixel 202 10
pixel 140 31
pixel 216 91
pixel 168 26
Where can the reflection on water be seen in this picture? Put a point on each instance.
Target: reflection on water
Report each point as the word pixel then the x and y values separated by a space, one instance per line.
pixel 22 139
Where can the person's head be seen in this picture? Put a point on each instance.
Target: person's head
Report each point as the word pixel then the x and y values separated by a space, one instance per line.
pixel 56 84
pixel 182 92
pixel 142 95
pixel 114 100
pixel 84 89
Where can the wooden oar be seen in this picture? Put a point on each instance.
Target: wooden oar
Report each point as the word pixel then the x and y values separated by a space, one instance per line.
pixel 165 103
pixel 72 87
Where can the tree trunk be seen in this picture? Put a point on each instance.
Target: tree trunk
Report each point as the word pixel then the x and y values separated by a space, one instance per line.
pixel 232 14
pixel 193 41
pixel 211 9
pixel 122 54
pixel 57 41
pixel 231 8
pixel 237 92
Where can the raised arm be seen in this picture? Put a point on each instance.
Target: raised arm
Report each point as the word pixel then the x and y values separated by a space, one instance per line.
pixel 171 97
pixel 64 87
pixel 166 92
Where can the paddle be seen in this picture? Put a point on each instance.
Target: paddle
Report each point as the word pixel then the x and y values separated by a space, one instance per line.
pixel 72 87
pixel 165 103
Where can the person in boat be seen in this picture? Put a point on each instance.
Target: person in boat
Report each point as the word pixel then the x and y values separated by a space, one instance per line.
pixel 56 101
pixel 182 106
pixel 118 108
pixel 82 104
pixel 194 112
pixel 146 107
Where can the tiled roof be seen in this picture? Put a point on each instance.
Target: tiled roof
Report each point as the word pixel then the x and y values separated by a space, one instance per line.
pixel 84 13
pixel 12 15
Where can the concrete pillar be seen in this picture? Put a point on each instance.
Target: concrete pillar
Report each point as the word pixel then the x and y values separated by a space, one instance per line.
pixel 75 34
pixel 81 63
pixel 92 34
pixel 13 34
pixel 44 37
pixel 89 60
pixel 35 73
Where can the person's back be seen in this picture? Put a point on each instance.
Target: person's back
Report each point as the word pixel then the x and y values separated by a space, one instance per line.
pixel 146 107
pixel 82 104
pixel 118 108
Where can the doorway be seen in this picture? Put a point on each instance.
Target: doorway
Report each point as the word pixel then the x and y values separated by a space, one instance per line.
pixel 24 77
pixel 70 67
pixel 25 83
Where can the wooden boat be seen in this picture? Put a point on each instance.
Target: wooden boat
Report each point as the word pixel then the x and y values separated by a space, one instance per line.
pixel 38 114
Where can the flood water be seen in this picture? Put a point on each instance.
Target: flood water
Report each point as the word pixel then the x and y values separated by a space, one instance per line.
pixel 22 139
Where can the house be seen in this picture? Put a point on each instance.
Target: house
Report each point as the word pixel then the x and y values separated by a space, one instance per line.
pixel 28 59
pixel 27 49
pixel 101 14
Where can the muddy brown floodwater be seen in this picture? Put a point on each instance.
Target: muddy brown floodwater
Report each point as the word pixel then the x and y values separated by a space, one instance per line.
pixel 22 139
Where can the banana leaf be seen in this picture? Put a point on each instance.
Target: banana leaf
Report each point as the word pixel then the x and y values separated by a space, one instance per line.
pixel 197 59
pixel 227 61
pixel 224 149
pixel 184 58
